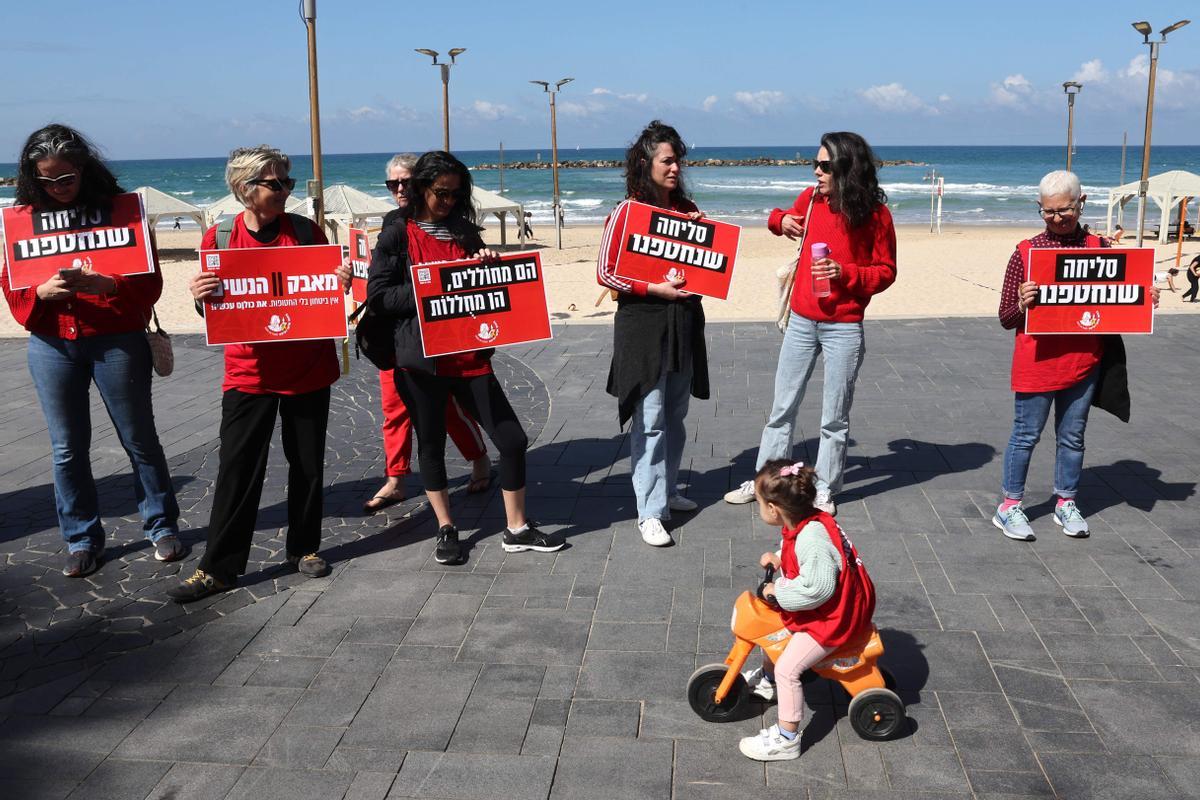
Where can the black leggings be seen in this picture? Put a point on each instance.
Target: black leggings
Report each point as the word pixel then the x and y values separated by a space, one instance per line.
pixel 1195 284
pixel 483 398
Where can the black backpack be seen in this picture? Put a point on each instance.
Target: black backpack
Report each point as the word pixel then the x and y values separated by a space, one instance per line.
pixel 374 333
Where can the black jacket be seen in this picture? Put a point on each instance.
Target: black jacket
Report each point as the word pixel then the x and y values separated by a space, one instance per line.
pixel 1112 388
pixel 390 293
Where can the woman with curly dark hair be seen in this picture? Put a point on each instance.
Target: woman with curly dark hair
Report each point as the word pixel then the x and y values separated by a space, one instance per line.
pixel 659 356
pixel 441 226
pixel 845 220
pixel 86 327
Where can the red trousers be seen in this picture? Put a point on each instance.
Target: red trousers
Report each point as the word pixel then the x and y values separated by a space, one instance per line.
pixel 398 432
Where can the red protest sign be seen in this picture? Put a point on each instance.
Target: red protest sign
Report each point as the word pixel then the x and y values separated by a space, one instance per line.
pixel 469 305
pixel 360 262
pixel 113 241
pixel 1100 290
pixel 659 245
pixel 274 294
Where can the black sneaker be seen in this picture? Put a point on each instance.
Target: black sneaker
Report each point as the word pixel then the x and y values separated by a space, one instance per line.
pixel 169 548
pixel 532 539
pixel 447 550
pixel 80 563
pixel 197 587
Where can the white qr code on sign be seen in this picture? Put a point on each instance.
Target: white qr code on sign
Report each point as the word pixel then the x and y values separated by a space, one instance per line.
pixel 212 261
pixel 423 276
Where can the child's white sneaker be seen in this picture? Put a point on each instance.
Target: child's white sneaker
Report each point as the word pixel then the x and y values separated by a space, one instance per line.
pixel 770 745
pixel 759 684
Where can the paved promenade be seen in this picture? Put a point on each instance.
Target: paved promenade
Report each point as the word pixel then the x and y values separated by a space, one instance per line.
pixel 1059 668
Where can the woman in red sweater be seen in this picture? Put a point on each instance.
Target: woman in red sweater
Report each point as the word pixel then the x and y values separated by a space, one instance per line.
pixel 87 327
pixel 848 212
pixel 441 227
pixel 289 380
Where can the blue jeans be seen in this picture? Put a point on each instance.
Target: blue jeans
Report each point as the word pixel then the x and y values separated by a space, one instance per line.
pixel 842 347
pixel 1071 406
pixel 63 371
pixel 657 437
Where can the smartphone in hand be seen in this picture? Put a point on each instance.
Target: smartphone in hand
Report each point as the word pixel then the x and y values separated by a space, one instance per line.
pixel 70 273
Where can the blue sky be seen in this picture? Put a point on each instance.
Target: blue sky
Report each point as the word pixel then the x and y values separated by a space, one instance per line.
pixel 162 80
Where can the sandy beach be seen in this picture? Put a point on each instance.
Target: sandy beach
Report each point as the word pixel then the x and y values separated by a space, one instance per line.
pixel 954 274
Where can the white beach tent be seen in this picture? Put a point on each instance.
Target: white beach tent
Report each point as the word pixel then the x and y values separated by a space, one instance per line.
pixel 1165 189
pixel 491 203
pixel 343 204
pixel 226 206
pixel 160 204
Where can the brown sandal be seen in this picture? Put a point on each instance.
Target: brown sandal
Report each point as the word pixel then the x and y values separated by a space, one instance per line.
pixel 381 501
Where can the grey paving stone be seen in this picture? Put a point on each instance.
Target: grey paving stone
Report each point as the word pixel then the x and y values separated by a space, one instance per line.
pixel 370 786
pixel 610 675
pixel 1129 716
pixel 613 769
pixel 1183 772
pixel 280 783
pixel 532 637
pixel 298 746
pixel 716 764
pixel 116 779
pixel 414 706
pixel 492 724
pixel 925 768
pixel 604 718
pixel 473 776
pixel 1107 775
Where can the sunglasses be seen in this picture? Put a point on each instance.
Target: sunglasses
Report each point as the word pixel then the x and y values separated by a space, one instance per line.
pixel 824 166
pixel 275 184
pixel 447 194
pixel 393 185
pixel 62 181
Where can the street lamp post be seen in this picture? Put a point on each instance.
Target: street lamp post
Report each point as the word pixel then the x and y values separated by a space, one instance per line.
pixel 316 191
pixel 1071 88
pixel 1144 29
pixel 557 205
pixel 454 53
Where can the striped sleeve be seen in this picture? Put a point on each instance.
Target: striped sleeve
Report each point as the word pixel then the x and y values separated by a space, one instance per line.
pixel 610 246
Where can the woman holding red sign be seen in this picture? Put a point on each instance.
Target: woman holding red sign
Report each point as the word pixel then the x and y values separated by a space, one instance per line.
pixel 1060 371
pixel 659 355
pixel 88 327
pixel 287 379
pixel 848 255
pixel 441 226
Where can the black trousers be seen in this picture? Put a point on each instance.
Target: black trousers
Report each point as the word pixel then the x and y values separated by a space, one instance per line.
pixel 483 398
pixel 247 423
pixel 1194 282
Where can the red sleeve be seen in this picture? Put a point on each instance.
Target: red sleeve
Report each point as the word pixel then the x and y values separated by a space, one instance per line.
pixel 24 304
pixel 610 246
pixel 1010 312
pixel 798 209
pixel 209 240
pixel 866 280
pixel 136 294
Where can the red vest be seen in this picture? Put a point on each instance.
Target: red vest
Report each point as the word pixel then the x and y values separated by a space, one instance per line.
pixel 843 615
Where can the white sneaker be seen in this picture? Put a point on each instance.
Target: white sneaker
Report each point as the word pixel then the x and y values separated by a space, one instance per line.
pixel 769 745
pixel 759 685
pixel 680 503
pixel 654 534
pixel 742 494
pixel 824 502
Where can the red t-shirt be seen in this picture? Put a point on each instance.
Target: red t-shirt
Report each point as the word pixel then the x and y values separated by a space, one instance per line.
pixel 849 610
pixel 424 249
pixel 276 367
pixel 867 255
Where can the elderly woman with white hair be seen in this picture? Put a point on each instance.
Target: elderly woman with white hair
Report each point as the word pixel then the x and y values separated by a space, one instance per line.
pixel 1060 370
pixel 288 379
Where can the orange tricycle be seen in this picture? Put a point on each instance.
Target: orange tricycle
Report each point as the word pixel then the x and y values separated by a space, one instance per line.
pixel 718 692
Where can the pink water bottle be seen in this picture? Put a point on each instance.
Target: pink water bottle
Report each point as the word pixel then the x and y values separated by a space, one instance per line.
pixel 820 286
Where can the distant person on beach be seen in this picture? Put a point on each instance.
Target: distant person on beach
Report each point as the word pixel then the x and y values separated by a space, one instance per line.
pixel 441 226
pixel 177 225
pixel 659 354
pixel 1062 371
pixel 397 423
pixel 1193 277
pixel 85 328
pixel 288 379
pixel 525 221
pixel 847 212
pixel 1167 277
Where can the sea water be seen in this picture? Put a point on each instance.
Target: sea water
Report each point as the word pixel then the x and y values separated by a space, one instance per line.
pixel 983 185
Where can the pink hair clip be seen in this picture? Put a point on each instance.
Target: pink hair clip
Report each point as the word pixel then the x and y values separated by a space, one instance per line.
pixel 794 469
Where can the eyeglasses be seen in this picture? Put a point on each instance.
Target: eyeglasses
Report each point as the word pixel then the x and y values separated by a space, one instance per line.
pixel 446 194
pixel 275 184
pixel 824 166
pixel 62 181
pixel 392 186
pixel 1051 213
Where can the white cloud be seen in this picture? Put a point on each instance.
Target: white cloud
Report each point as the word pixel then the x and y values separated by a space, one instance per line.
pixel 587 108
pixel 489 111
pixel 709 102
pixel 943 98
pixel 1012 91
pixel 893 97
pixel 365 114
pixel 1091 72
pixel 1017 83
pixel 601 90
pixel 760 102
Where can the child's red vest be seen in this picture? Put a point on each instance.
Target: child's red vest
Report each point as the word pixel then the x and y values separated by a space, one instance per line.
pixel 849 610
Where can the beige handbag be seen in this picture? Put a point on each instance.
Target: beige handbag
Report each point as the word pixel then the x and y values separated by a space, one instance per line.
pixel 786 275
pixel 162 355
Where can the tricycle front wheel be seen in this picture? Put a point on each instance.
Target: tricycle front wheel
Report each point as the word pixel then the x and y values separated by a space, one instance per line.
pixel 876 714
pixel 702 688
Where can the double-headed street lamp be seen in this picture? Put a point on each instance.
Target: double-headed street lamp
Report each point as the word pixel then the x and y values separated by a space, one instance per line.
pixel 1072 88
pixel 1144 29
pixel 453 53
pixel 554 152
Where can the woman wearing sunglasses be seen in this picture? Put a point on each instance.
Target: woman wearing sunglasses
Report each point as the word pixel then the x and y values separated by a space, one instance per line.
pixel 847 212
pixel 397 424
pixel 659 355
pixel 288 379
pixel 441 226
pixel 87 327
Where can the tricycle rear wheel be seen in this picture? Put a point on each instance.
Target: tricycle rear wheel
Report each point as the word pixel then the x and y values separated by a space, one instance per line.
pixel 701 688
pixel 876 714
